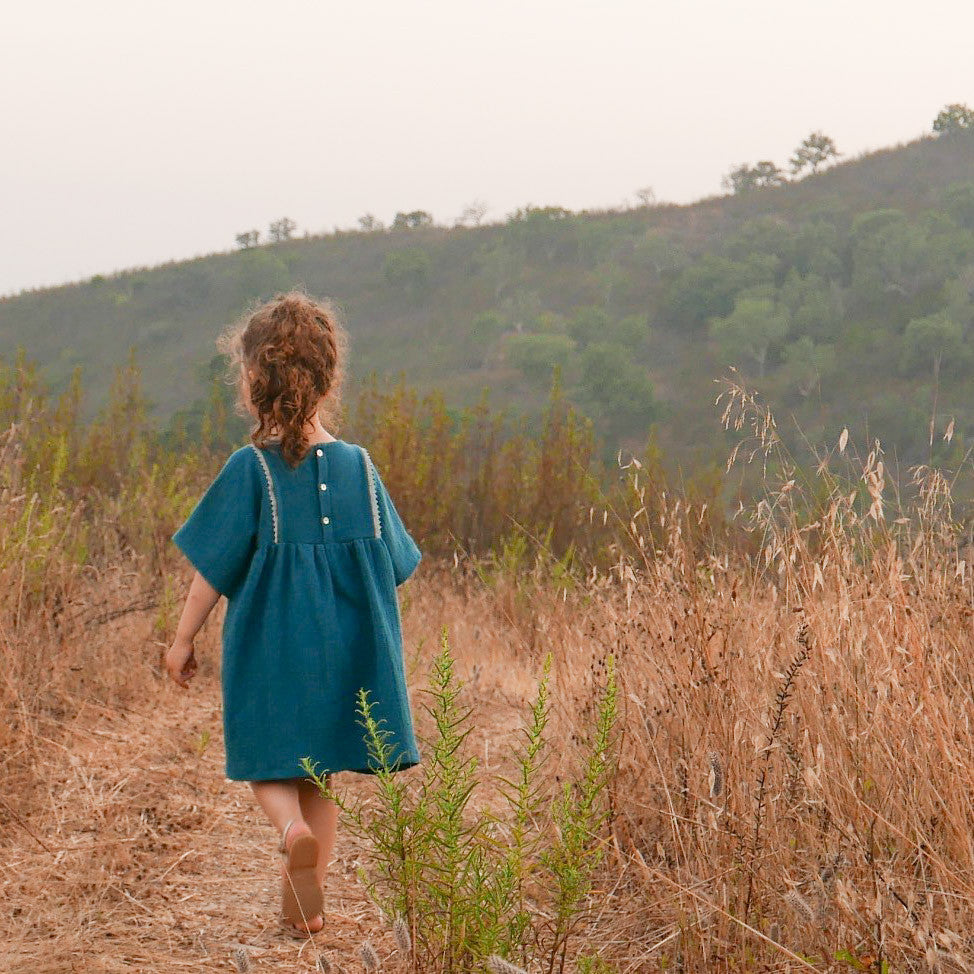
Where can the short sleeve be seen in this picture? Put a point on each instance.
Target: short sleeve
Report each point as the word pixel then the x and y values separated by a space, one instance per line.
pixel 403 551
pixel 220 535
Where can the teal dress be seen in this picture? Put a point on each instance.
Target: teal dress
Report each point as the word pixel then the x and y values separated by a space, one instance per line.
pixel 309 560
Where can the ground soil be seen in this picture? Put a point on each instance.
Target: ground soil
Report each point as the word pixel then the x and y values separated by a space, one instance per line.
pixel 136 853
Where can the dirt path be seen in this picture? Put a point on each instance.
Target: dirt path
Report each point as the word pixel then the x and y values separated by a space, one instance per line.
pixel 157 862
pixel 139 855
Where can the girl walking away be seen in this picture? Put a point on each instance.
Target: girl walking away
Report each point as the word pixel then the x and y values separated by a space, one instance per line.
pixel 300 534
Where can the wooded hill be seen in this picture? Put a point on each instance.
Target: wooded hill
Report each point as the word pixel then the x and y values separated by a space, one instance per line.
pixel 845 297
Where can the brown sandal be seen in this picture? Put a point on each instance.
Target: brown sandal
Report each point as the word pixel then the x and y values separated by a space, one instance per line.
pixel 301 897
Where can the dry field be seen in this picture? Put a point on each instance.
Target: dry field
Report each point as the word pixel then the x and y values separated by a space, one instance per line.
pixel 795 751
pixel 125 848
pixel 847 841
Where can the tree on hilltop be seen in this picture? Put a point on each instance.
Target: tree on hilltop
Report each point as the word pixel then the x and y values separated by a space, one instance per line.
pixel 646 196
pixel 739 180
pixel 370 223
pixel 954 118
pixel 744 177
pixel 248 239
pixel 766 173
pixel 282 229
pixel 472 214
pixel 815 151
pixel 412 220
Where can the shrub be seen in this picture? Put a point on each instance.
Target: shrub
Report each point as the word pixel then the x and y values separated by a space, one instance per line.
pixel 471 883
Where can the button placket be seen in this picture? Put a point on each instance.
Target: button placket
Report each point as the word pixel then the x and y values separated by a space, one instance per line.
pixel 324 496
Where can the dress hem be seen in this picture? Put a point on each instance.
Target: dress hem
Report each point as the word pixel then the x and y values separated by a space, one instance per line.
pixel 264 776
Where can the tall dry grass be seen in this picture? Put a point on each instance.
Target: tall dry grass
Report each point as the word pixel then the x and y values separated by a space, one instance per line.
pixel 796 780
pixel 796 752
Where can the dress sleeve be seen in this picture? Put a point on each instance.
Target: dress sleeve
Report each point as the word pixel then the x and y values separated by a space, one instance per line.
pixel 403 551
pixel 220 534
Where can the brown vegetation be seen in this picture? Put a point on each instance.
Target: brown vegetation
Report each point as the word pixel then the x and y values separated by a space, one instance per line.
pixel 795 758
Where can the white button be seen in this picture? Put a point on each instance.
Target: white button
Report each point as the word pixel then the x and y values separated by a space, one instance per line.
pixel 324 486
pixel 319 452
pixel 324 520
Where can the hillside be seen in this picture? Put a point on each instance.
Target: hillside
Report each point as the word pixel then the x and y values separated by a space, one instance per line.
pixel 846 297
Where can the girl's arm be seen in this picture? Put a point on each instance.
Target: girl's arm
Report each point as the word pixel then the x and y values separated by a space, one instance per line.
pixel 180 661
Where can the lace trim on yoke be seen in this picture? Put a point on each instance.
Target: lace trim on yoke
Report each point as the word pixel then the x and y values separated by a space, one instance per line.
pixel 270 488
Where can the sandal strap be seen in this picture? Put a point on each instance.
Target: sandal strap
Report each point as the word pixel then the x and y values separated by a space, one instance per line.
pixel 287 828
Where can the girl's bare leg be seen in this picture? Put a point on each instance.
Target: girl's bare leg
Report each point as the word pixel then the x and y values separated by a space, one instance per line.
pixel 281 803
pixel 279 799
pixel 321 814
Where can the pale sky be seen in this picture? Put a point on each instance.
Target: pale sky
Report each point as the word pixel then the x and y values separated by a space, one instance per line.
pixel 137 131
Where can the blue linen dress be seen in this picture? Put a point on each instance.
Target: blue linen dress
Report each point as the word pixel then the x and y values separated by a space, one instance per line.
pixel 309 559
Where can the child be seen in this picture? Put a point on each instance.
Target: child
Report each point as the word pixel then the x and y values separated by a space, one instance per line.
pixel 301 536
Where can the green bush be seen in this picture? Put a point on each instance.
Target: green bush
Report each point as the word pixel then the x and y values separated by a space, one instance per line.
pixel 537 355
pixel 707 288
pixel 755 326
pixel 588 325
pixel 617 390
pixel 409 269
pixel 473 883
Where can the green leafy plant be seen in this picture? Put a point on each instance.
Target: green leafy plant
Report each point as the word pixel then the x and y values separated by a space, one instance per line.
pixel 202 743
pixel 470 883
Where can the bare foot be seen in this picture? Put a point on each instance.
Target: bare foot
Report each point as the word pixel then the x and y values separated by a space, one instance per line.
pixel 316 922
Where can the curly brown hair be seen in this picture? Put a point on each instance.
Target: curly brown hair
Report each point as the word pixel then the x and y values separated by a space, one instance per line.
pixel 294 349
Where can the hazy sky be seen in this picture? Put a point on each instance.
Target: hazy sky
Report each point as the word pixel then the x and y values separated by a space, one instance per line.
pixel 137 132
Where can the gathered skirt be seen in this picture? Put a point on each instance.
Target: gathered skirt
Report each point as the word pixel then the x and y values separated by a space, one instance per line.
pixel 295 656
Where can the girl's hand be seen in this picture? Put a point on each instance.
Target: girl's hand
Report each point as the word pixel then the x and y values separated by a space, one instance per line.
pixel 181 662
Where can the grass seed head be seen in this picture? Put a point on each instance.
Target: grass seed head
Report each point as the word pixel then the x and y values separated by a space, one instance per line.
pixel 241 959
pixel 498 965
pixel 401 933
pixel 800 905
pixel 716 774
pixel 369 957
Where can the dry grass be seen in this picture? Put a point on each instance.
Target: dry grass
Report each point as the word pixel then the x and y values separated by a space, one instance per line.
pixel 129 850
pixel 795 762
pixel 123 845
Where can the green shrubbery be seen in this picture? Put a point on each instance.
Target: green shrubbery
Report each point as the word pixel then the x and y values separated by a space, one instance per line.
pixel 471 882
pixel 809 289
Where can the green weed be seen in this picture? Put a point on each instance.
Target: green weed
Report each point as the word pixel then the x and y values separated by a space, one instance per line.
pixel 470 883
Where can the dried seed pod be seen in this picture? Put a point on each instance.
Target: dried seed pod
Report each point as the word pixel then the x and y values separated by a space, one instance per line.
pixel 800 905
